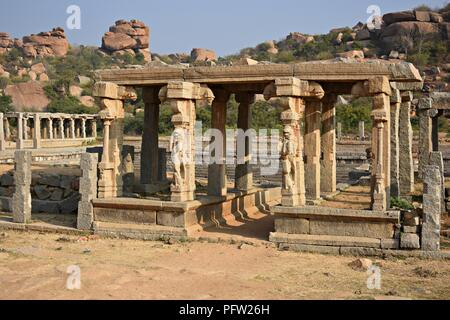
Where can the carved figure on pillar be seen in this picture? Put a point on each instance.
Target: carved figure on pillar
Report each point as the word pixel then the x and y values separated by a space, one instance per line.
pixel 288 153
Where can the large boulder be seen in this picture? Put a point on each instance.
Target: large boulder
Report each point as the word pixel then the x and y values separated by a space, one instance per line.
pixel 300 38
pixel 128 35
pixel 5 40
pixel 53 43
pixel 397 33
pixel 198 54
pixel 28 96
pixel 395 17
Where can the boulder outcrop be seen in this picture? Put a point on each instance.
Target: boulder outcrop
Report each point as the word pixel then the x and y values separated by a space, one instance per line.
pixel 28 96
pixel 198 54
pixel 52 43
pixel 130 37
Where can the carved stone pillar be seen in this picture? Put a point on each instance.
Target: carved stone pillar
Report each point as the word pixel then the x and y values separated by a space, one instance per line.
pixel 182 96
pixel 61 128
pixel 217 177
pixel 7 129
pixel 25 128
pixel 380 88
pixel 37 132
pixel 328 145
pixel 19 135
pixel 94 128
pixel 112 113
pixel 243 173
pixel 83 128
pixel 50 128
pixel 72 128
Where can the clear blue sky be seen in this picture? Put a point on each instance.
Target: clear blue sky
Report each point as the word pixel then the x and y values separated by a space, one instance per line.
pixel 180 25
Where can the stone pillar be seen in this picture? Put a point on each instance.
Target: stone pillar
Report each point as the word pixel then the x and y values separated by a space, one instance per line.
pixel 21 202
pixel 61 128
pixel 312 149
pixel 328 145
pixel 437 160
pixel 217 178
pixel 405 137
pixel 243 173
pixel 83 128
pixel 94 128
pixel 182 96
pixel 25 128
pixel 150 134
pixel 339 131
pixel 19 136
pixel 110 184
pixel 395 151
pixel 7 129
pixel 362 135
pixel 2 133
pixel 88 190
pixel 431 226
pixel 425 113
pixel 37 132
pixel 50 128
pixel 72 128
pixel 380 89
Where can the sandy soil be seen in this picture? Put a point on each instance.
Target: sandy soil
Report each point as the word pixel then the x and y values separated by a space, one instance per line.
pixel 34 266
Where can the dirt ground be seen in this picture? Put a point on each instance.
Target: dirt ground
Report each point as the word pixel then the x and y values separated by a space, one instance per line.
pixel 34 266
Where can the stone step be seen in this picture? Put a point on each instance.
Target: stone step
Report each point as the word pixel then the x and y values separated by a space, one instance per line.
pixel 333 241
pixel 135 231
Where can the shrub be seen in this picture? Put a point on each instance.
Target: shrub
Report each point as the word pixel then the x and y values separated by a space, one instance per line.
pixel 5 104
pixel 350 115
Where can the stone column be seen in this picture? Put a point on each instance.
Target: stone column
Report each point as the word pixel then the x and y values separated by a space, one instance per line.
pixel 72 128
pixel 312 149
pixel 405 137
pixel 182 96
pixel 61 128
pixel 83 128
pixel 328 145
pixel 19 137
pixel 431 226
pixel 437 160
pixel 425 113
pixel 2 133
pixel 7 129
pixel 380 89
pixel 339 131
pixel 217 177
pixel 395 151
pixel 88 190
pixel 44 128
pixel 94 128
pixel 362 135
pixel 110 184
pixel 37 132
pixel 150 134
pixel 50 128
pixel 243 173
pixel 21 202
pixel 25 128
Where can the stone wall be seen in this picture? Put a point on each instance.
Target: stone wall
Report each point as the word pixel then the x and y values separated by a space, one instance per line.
pixel 51 193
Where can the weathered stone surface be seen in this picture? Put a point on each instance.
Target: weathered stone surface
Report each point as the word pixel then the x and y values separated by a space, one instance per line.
pixel 351 229
pixel 88 190
pixel 409 241
pixel 21 204
pixel 7 180
pixel 394 17
pixel 436 159
pixel 431 208
pixel 52 180
pixel 125 216
pixel 41 192
pixel 291 225
pixel 70 205
pixel 38 68
pixel 425 134
pixel 53 43
pixel 361 264
pixel 27 96
pixel 405 136
pixel 170 219
pixel 57 195
pixel 198 54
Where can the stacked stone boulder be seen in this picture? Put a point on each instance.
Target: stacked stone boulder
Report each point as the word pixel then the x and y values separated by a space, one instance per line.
pixel 127 37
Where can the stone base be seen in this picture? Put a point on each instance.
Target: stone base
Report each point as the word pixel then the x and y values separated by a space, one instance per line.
pixel 183 217
pixel 309 225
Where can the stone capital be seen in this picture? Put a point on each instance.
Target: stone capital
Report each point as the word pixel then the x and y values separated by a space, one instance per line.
pixel 293 87
pixel 425 103
pixel 112 108
pixel 378 85
pixel 407 96
pixel 112 91
pixel 395 96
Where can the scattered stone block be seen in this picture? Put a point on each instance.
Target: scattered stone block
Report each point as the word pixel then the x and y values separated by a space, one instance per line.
pixel 361 264
pixel 409 241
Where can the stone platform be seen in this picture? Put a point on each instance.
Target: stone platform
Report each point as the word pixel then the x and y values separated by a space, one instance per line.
pixel 153 219
pixel 320 227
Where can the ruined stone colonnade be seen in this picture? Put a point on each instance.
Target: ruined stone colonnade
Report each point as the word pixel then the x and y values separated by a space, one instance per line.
pixel 45 126
pixel 307 92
